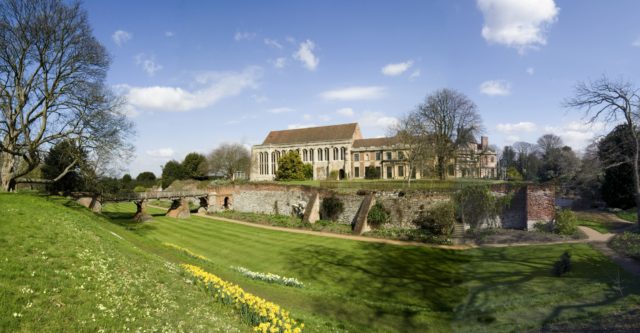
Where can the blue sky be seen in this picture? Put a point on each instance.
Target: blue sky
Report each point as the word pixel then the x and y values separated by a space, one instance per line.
pixel 200 73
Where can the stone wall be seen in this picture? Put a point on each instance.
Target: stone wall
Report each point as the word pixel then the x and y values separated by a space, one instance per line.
pixel 528 205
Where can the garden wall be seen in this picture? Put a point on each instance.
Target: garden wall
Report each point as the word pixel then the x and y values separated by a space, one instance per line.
pixel 528 205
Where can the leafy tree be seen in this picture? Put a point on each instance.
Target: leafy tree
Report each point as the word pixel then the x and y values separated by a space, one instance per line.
pixel 171 171
pixel 146 179
pixel 53 72
pixel 508 157
pixel 513 174
pixel 610 100
pixel 59 158
pixel 290 167
pixel 228 159
pixel 195 166
pixel 451 119
pixel 372 173
pixel 127 181
pixel 617 186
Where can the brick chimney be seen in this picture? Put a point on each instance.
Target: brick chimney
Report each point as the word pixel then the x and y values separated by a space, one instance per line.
pixel 484 142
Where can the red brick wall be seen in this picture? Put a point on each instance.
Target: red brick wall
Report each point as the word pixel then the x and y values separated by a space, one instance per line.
pixel 541 202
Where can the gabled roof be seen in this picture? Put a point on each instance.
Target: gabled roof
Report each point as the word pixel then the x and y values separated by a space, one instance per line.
pixel 376 142
pixel 314 134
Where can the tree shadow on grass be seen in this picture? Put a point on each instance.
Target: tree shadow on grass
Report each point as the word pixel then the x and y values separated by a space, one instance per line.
pixel 507 273
pixel 388 287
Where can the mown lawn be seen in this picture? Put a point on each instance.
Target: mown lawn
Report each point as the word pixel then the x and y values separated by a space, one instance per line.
pixel 63 270
pixel 366 287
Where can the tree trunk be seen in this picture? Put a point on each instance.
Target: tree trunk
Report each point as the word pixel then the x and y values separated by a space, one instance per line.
pixel 636 178
pixel 7 182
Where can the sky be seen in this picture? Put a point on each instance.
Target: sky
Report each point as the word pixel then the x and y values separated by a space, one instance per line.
pixel 197 74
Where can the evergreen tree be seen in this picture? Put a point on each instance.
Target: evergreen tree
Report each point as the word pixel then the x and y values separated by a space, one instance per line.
pixel 290 167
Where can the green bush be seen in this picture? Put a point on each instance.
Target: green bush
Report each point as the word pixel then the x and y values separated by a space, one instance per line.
pixel 307 169
pixel 439 220
pixel 378 215
pixel 331 208
pixel 290 167
pixel 628 244
pixel 139 189
pixel 334 175
pixel 566 222
pixel 371 173
pixel 563 265
pixel 513 174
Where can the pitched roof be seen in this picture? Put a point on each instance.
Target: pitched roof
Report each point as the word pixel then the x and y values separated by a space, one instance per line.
pixel 376 142
pixel 313 134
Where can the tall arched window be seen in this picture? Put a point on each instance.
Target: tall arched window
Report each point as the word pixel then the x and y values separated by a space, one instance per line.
pixel 342 153
pixel 273 163
pixel 319 154
pixel 326 154
pixel 335 154
pixel 311 153
pixel 305 155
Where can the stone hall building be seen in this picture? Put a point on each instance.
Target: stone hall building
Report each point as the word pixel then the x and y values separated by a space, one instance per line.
pixel 340 151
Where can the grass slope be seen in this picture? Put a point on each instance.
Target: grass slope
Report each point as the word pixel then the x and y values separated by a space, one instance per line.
pixel 63 270
pixel 358 286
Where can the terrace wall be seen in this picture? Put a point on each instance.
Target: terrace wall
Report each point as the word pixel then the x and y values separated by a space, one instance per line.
pixel 529 203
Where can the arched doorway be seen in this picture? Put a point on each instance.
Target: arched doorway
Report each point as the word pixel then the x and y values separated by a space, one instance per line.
pixel 225 203
pixel 342 174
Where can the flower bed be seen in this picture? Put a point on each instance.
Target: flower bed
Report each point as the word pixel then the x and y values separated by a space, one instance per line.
pixel 269 277
pixel 263 315
pixel 186 251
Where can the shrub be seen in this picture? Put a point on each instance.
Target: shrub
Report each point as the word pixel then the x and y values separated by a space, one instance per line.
pixel 563 265
pixel 331 208
pixel 372 173
pixel 307 169
pixel 334 175
pixel 439 220
pixel 513 174
pixel 628 244
pixel 543 226
pixel 566 222
pixel 139 189
pixel 378 215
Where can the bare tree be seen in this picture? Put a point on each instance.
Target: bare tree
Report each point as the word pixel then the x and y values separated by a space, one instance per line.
pixel 413 135
pixel 548 142
pixel 452 120
pixel 229 158
pixel 613 102
pixel 52 88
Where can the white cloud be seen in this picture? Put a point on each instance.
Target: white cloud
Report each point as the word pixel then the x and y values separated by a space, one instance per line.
pixel 280 110
pixel 495 88
pixel 520 24
pixel 297 126
pixel 305 55
pixel 636 43
pixel 354 93
pixel 148 64
pixel 523 126
pixel 280 62
pixel 414 75
pixel 530 70
pixel 577 134
pixel 161 152
pixel 213 87
pixel 377 120
pixel 347 112
pixel 396 69
pixel 169 33
pixel 243 35
pixel 120 37
pixel 273 43
pixel 290 39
